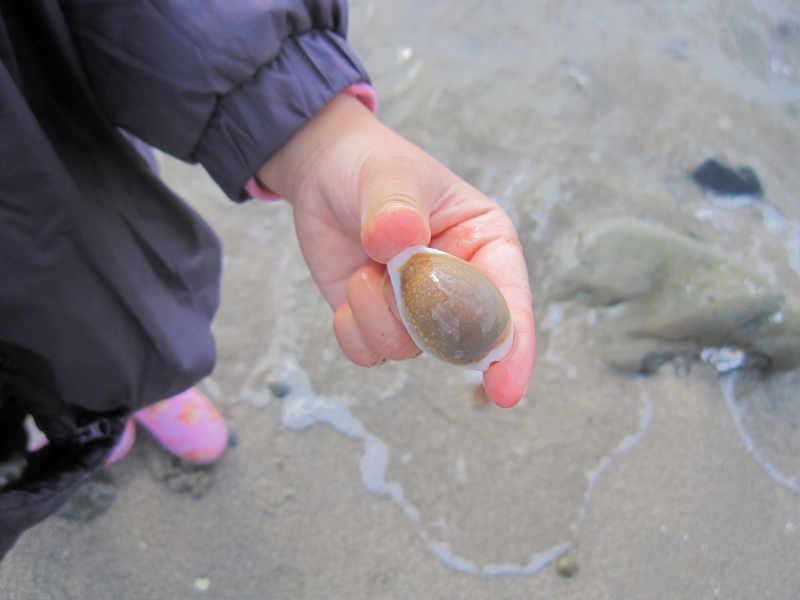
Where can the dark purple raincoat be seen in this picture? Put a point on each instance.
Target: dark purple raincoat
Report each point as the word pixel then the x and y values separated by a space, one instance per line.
pixel 108 281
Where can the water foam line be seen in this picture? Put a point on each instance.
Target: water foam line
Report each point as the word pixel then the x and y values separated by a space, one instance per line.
pixel 303 408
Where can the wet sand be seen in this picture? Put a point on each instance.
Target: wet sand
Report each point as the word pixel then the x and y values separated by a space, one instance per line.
pixel 395 482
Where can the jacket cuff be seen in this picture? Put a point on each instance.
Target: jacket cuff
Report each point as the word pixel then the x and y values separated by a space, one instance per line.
pixel 254 120
pixel 368 97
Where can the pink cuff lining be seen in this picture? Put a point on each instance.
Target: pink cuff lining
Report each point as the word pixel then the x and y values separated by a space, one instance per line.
pixel 363 91
pixel 366 93
pixel 258 190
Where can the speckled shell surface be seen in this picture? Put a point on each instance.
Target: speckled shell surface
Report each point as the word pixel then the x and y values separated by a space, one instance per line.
pixel 451 309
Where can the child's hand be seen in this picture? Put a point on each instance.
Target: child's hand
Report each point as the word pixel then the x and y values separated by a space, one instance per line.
pixel 361 194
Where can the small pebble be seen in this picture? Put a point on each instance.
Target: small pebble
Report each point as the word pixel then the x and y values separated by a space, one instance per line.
pixel 279 389
pixel 720 179
pixel 567 565
pixel 233 437
pixel 202 584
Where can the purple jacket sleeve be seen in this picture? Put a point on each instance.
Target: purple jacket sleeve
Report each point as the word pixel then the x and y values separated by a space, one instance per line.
pixel 220 82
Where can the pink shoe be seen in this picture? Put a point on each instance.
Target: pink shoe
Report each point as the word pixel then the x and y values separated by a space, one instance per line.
pixel 124 444
pixel 188 426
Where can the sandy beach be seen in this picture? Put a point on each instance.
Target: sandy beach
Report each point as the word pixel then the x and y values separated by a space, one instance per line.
pixel 398 481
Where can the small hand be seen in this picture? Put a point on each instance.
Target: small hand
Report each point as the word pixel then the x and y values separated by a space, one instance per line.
pixel 361 193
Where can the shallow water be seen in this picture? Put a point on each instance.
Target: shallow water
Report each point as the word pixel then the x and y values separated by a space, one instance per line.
pixel 563 112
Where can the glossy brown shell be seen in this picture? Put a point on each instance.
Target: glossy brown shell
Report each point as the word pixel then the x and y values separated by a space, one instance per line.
pixel 451 308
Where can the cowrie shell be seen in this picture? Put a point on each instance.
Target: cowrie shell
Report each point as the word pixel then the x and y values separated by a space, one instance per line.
pixel 451 309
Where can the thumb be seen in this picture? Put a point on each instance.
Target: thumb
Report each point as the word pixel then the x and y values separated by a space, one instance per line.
pixel 394 213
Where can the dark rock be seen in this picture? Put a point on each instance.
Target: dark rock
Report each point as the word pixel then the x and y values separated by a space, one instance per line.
pixel 722 180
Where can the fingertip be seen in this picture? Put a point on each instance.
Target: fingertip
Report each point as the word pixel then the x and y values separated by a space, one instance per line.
pixel 391 230
pixel 506 381
pixel 504 390
pixel 351 340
